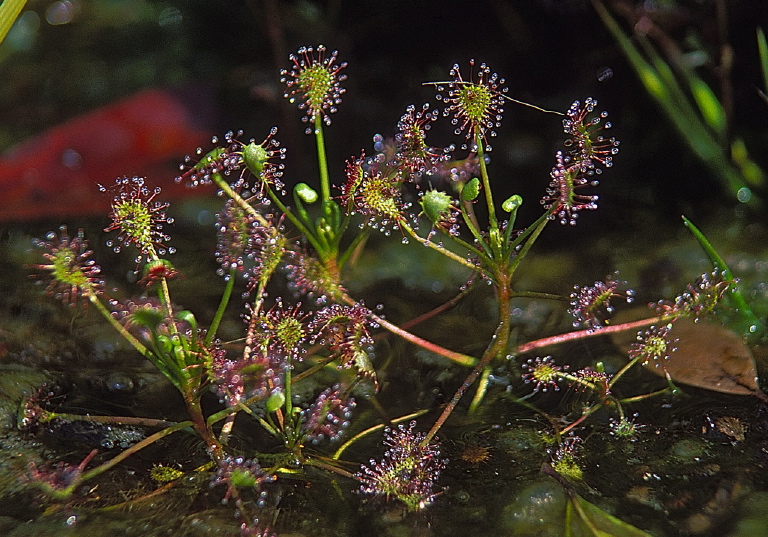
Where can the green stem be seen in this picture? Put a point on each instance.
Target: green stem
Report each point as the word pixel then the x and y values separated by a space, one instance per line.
pixel 553 422
pixel 470 218
pixel 351 250
pixel 319 463
pixel 322 364
pixel 540 224
pixel 428 243
pixel 373 429
pixel 148 441
pixel 479 252
pixel 165 299
pixel 199 422
pixel 536 294
pixel 644 396
pixel 170 370
pixel 287 388
pixel 322 159
pixel 164 295
pixel 512 246
pixel 467 213
pixel 303 229
pixel 494 223
pixel 297 223
pixel 230 285
pixel 247 207
pixel 242 406
pixel 113 420
pixel 623 370
pixel 482 388
pixel 125 334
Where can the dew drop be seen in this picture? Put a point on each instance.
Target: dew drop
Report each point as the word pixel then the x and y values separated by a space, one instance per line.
pixel 744 194
pixel 604 73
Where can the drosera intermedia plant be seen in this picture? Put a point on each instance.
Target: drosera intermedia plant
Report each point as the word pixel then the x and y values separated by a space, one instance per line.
pixel 249 173
pixel 309 237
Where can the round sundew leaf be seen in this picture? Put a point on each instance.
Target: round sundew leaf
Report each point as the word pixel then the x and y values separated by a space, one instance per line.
pixel 255 157
pixel 512 203
pixel 435 204
pixel 471 190
pixel 306 193
pixel 275 401
pixel 708 356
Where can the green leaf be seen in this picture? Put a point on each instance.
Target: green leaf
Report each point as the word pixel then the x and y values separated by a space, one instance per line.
pixel 306 193
pixel 9 11
pixel 210 157
pixel 364 367
pixel 660 82
pixel 188 317
pixel 275 401
pixel 512 203
pixel 749 169
pixel 762 46
pixel 583 519
pixel 709 105
pixel 471 190
pixel 436 205
pixel 746 321
pixel 147 317
pixel 255 157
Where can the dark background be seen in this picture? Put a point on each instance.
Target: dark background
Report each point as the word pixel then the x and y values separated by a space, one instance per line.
pixel 550 52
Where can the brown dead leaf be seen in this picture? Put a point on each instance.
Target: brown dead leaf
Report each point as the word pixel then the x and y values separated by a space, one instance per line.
pixel 708 356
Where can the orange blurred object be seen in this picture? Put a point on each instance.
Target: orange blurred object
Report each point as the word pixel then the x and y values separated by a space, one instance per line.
pixel 147 135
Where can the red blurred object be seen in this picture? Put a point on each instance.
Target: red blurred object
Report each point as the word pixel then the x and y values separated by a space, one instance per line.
pixel 147 135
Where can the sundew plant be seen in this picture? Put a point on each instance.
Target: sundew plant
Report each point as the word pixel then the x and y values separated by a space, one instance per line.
pixel 313 336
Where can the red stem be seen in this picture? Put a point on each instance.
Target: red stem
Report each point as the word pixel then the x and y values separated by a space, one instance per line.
pixel 581 334
pixel 498 345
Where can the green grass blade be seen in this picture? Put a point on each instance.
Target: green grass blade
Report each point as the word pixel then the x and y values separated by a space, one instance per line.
pixel 660 82
pixel 709 105
pixel 762 47
pixel 9 10
pixel 746 321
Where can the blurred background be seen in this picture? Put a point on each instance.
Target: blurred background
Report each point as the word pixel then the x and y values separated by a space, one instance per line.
pixel 176 73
